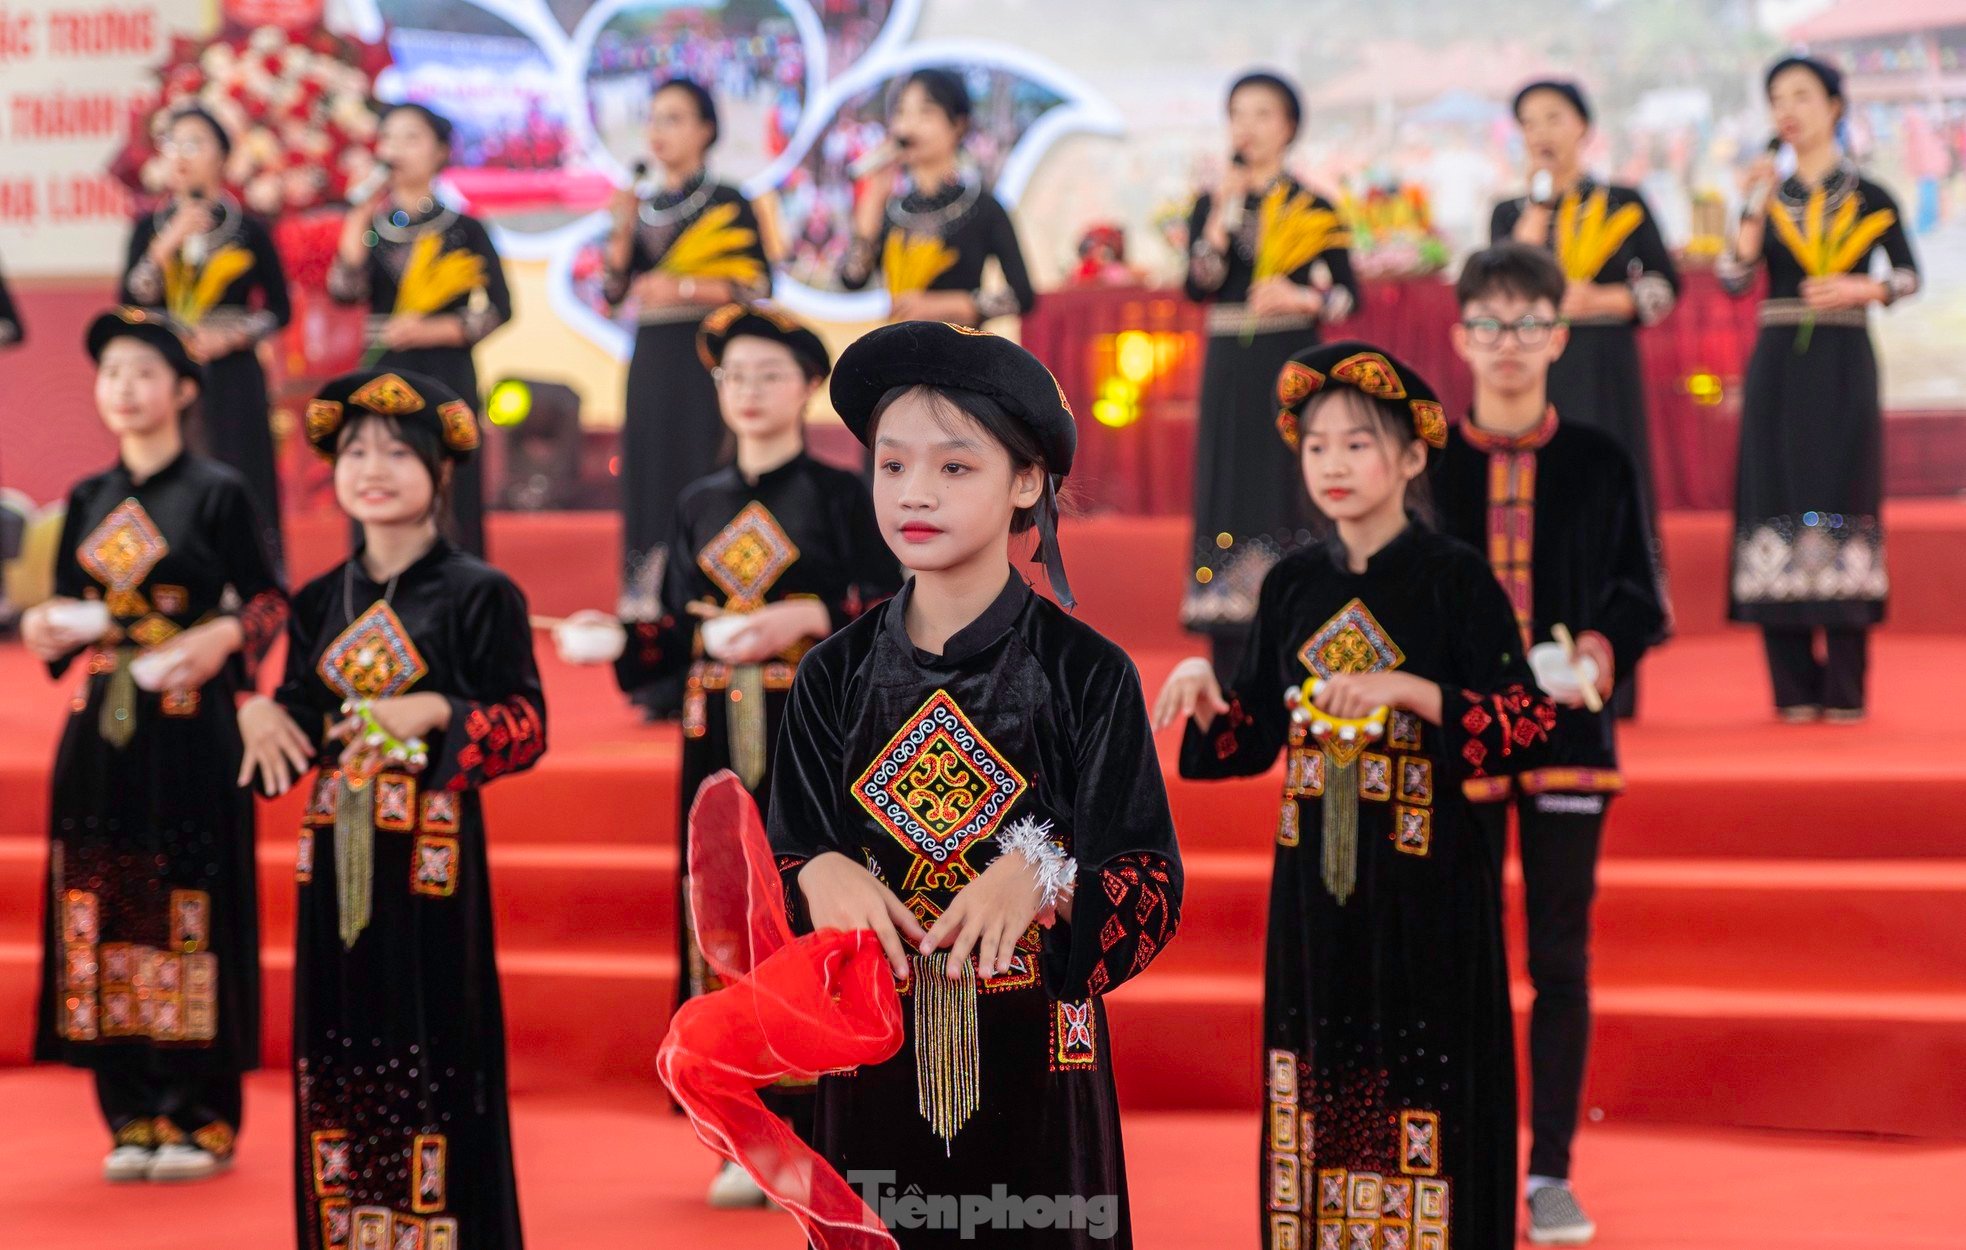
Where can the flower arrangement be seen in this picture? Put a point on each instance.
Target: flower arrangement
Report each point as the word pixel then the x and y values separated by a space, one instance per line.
pixel 1392 232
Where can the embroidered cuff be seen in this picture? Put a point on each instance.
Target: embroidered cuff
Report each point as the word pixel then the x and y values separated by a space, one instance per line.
pixel 995 304
pixel 348 284
pixel 1057 871
pixel 1901 283
pixel 146 282
pixel 1207 268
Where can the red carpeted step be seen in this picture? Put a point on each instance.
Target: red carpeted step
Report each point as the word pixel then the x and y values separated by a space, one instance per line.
pixel 1129 572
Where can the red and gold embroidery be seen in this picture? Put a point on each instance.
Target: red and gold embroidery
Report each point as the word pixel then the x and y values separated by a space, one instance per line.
pixel 1074 1036
pixel 427 1155
pixel 1416 780
pixel 1413 830
pixel 191 920
pixel 322 799
pixel 387 394
pixel 1372 373
pixel 304 857
pixel 395 802
pixel 747 557
pixel 373 658
pixel 439 812
pixel 433 866
pixel 215 1138
pixel 1375 777
pixel 1289 831
pixel 372 1228
pixel 443 1233
pixel 337 1224
pixel 938 787
pixel 1285 1146
pixel 1352 641
pixel 333 1161
pixel 121 552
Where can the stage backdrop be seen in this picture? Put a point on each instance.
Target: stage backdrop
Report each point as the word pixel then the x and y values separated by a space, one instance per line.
pixel 1093 111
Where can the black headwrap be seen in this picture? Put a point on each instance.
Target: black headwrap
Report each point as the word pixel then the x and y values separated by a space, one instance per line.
pixel 1827 74
pixel 1563 87
pixel 1277 83
pixel 200 113
pixel 438 123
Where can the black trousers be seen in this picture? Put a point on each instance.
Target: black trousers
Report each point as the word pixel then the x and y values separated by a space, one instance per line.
pixel 1559 836
pixel 1835 681
pixel 150 1096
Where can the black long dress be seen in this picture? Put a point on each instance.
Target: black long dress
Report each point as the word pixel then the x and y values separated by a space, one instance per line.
pixel 1808 537
pixel 1389 1061
pixel 150 971
pixel 400 1120
pixel 393 240
pixel 1572 492
pixel 804 530
pixel 1598 382
pixel 672 430
pixel 949 237
pixel 236 284
pixel 912 763
pixel 1249 505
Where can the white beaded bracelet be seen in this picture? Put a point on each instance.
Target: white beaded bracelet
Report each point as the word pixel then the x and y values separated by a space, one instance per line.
pixel 1057 872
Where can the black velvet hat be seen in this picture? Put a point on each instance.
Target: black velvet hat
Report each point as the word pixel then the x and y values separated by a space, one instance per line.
pixel 1365 369
pixel 146 326
pixel 935 353
pixel 762 321
pixel 410 398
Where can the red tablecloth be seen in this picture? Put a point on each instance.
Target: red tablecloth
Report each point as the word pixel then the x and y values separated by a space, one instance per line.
pixel 1147 466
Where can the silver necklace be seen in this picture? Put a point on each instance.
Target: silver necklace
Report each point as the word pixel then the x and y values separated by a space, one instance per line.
pixel 936 220
pixel 691 203
pixel 413 228
pixel 348 588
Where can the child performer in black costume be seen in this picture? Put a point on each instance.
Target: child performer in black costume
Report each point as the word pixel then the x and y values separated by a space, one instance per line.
pixel 410 672
pixel 1558 510
pixel 1387 662
pixel 967 771
pixel 151 963
pixel 771 554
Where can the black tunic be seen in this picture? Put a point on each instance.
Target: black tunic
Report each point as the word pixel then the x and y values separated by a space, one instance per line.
pixel 399 1042
pixel 971 226
pixel 1808 535
pixel 1585 564
pixel 1598 380
pixel 908 761
pixel 152 932
pixel 233 407
pixel 1389 1062
pixel 672 430
pixel 1249 506
pixel 801 531
pixel 482 310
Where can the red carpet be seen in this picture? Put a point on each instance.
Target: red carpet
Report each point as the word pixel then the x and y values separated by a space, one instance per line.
pixel 625 1175
pixel 1778 931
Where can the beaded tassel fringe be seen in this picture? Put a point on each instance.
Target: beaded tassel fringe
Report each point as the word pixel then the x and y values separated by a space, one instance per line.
pixel 948 1064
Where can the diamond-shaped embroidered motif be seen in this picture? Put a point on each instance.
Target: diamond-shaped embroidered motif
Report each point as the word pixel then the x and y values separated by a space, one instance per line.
pixel 152 631
pixel 389 395
pixel 748 556
pixel 121 552
pixel 1351 642
pixel 373 658
pixel 939 786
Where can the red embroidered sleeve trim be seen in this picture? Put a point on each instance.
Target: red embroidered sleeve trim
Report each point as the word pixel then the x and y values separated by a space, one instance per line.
pixel 261 619
pixel 1231 723
pixel 499 738
pixel 1137 888
pixel 1509 721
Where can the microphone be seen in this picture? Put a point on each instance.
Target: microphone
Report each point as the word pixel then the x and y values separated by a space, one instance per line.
pixel 1758 198
pixel 372 182
pixel 194 247
pixel 870 162
pixel 1542 187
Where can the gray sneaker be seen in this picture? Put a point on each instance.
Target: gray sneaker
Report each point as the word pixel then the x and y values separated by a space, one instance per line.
pixel 1555 1219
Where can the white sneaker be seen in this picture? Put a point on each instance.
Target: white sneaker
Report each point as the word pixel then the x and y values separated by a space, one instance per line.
pixel 182 1161
pixel 734 1190
pixel 126 1164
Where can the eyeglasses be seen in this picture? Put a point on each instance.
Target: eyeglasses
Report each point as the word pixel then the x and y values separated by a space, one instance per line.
pixel 764 379
pixel 1488 331
pixel 186 147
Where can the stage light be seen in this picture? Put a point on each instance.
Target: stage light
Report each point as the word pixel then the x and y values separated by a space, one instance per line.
pixel 1118 405
pixel 1133 356
pixel 510 403
pixel 1705 388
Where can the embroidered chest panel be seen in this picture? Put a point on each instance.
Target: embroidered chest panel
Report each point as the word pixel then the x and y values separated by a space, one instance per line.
pixel 121 552
pixel 939 786
pixel 1353 641
pixel 748 556
pixel 373 658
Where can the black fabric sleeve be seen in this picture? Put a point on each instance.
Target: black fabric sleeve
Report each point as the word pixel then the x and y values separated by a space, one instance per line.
pixel 498 712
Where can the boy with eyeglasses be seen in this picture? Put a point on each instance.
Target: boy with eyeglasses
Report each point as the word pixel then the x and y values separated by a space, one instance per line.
pixel 1556 506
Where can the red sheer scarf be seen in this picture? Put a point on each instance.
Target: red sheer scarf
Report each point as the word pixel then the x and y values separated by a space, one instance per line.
pixel 791 1007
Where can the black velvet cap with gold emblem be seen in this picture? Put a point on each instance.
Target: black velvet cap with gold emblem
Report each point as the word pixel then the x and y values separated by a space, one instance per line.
pixel 410 398
pixel 762 321
pixel 935 353
pixel 145 326
pixel 1365 369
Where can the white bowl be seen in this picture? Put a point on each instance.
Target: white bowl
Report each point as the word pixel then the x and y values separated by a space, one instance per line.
pixel 719 630
pixel 590 643
pixel 1558 678
pixel 84 619
pixel 156 670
